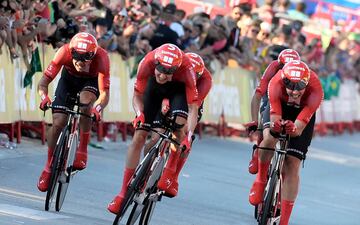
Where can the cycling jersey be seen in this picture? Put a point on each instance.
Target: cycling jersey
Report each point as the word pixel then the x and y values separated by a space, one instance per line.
pixel 309 102
pixel 99 66
pixel 270 71
pixel 203 85
pixel 184 74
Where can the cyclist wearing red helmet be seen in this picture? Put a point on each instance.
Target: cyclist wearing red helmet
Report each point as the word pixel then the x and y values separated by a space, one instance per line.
pixel 86 71
pixel 164 72
pixel 169 179
pixel 260 94
pixel 295 93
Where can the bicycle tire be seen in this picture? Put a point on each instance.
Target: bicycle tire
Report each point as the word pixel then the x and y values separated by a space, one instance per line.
pixel 256 211
pixel 147 213
pixel 55 168
pixel 63 185
pixel 135 213
pixel 269 199
pixel 138 178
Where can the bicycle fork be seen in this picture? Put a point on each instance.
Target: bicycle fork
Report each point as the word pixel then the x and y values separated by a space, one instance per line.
pixel 276 169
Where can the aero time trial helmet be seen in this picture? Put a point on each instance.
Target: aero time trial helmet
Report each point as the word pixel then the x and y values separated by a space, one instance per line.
pixel 197 63
pixel 168 58
pixel 295 75
pixel 83 46
pixel 288 55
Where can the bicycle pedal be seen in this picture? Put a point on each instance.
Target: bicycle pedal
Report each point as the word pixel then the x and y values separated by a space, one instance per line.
pixel 156 196
pixel 74 172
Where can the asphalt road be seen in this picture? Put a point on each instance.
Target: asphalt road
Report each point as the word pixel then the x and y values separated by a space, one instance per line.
pixel 214 185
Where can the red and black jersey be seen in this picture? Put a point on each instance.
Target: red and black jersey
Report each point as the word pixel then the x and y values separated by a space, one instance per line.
pixel 185 73
pixel 99 67
pixel 269 73
pixel 309 102
pixel 203 85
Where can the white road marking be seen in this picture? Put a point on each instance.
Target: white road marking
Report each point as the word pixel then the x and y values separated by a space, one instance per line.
pixel 21 194
pixel 354 144
pixel 322 154
pixel 333 157
pixel 29 213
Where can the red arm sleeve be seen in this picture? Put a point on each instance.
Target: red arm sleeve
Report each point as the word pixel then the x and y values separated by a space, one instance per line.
pixel 104 72
pixel 313 100
pixel 270 71
pixel 188 74
pixel 203 86
pixel 58 61
pixel 275 94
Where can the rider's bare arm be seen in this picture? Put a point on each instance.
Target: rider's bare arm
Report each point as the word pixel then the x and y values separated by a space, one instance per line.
pixel 103 99
pixel 138 103
pixel 43 85
pixel 255 105
pixel 192 118
pixel 300 126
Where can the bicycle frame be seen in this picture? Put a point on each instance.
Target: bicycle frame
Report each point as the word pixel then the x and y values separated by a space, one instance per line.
pixel 269 207
pixel 144 183
pixel 64 155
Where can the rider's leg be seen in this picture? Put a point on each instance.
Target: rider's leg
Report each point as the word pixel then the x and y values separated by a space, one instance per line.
pixel 154 138
pixel 290 187
pixel 253 164
pixel 85 128
pixel 59 121
pixel 169 179
pixel 257 189
pixel 133 157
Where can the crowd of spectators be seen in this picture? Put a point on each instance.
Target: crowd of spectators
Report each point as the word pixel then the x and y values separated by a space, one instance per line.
pixel 248 36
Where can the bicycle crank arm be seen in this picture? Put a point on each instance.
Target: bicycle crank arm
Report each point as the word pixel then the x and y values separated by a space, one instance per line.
pixel 74 172
pixel 275 220
pixel 155 196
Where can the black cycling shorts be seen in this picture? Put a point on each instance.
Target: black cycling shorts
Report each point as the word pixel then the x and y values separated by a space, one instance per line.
pixel 298 146
pixel 153 97
pixel 68 87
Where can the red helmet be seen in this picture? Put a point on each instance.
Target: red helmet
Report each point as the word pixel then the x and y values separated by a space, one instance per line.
pixel 83 46
pixel 168 58
pixel 197 62
pixel 288 55
pixel 296 75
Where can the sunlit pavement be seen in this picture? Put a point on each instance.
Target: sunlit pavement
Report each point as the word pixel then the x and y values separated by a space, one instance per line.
pixel 214 185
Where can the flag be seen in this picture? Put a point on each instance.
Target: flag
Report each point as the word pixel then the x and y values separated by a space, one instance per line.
pixel 35 66
pixel 331 85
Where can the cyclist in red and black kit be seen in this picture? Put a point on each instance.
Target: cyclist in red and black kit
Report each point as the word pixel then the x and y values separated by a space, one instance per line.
pixel 260 95
pixel 295 93
pixel 85 70
pixel 169 179
pixel 165 72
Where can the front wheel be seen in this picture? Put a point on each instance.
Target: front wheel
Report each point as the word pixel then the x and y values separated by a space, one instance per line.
pixel 147 213
pixel 136 184
pixel 271 197
pixel 135 213
pixel 64 180
pixel 56 167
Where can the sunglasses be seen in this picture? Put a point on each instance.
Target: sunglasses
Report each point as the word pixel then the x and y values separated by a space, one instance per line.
pixel 295 86
pixel 255 31
pixel 82 57
pixel 165 70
